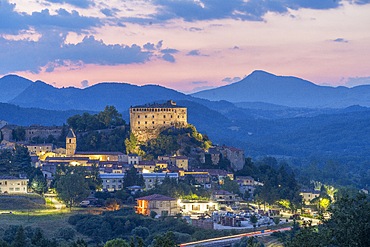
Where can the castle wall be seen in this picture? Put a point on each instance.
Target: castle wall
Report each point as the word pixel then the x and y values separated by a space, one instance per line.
pixel 147 122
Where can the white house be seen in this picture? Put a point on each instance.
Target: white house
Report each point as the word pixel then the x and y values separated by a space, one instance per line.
pixel 13 185
pixel 112 181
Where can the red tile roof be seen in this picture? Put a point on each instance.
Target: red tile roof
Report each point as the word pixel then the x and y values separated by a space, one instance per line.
pixel 156 197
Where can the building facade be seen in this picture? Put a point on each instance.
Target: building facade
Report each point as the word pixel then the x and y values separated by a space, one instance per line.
pixel 13 185
pixel 160 204
pixel 147 121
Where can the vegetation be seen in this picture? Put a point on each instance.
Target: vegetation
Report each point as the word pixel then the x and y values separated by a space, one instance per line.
pixel 348 225
pixel 19 236
pixel 279 183
pixel 73 184
pixel 173 188
pixel 17 162
pixel 169 142
pixel 125 224
pixel 106 119
pixel 132 177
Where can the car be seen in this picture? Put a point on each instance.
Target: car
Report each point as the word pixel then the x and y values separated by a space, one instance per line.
pixel 84 203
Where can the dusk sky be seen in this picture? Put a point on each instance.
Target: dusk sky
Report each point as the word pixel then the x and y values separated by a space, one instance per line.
pixel 186 45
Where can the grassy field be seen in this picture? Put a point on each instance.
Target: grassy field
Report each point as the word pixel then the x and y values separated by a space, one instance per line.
pixel 32 210
pixel 22 201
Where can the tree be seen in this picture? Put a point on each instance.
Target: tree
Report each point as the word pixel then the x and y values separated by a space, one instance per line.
pixel 20 238
pixel 253 219
pixel 21 160
pixel 72 188
pixel 131 144
pixel 19 134
pixel 118 242
pixel 348 225
pixel 132 177
pixel 110 117
pixel 165 240
pixel 230 185
pixel 39 184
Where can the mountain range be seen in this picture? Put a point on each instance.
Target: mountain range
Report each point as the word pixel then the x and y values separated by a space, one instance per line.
pixel 264 114
pixel 261 86
pixel 258 87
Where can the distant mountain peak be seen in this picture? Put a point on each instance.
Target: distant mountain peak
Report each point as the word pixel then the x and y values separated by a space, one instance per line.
pixel 260 73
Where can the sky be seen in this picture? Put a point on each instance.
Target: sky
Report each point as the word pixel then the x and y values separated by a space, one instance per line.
pixel 186 45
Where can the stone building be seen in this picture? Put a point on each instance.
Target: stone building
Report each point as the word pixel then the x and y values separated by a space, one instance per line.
pixel 160 204
pixel 235 156
pixel 148 120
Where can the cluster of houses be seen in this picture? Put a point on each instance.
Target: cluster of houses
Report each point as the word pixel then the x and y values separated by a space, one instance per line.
pixel 145 121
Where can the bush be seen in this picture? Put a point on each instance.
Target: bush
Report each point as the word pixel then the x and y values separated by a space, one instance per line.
pixel 66 233
pixel 74 219
pixel 140 231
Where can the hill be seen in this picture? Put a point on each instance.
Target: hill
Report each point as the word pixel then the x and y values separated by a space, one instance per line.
pixel 94 98
pixel 261 86
pixel 11 86
pixel 27 116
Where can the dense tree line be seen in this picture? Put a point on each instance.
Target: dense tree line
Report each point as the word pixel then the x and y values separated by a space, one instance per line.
pixel 125 224
pixel 108 118
pixel 17 162
pixel 280 185
pixel 19 236
pixel 347 226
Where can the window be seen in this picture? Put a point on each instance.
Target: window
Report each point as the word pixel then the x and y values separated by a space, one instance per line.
pixel 164 116
pixel 138 122
pixel 146 122
pixel 138 116
pixel 153 122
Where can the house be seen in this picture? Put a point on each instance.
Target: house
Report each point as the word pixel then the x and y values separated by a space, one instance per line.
pixel 197 207
pixel 133 159
pixel 145 166
pixel 217 175
pixel 308 195
pixel 150 179
pixel 235 156
pixel 40 149
pixel 160 204
pixel 215 155
pixel 13 185
pixel 112 181
pixel 224 197
pixel 246 184
pixel 177 161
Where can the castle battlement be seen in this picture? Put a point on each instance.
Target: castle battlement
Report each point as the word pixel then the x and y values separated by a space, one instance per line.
pixel 147 121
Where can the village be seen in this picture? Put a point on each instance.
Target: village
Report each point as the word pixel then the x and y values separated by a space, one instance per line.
pixel 223 209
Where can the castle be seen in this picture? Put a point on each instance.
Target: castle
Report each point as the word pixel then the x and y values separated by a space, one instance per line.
pixel 147 121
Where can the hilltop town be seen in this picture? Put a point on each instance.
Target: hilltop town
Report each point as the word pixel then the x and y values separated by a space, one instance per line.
pixel 158 166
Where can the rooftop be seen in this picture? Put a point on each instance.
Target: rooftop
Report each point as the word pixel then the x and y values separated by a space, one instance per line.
pixel 156 197
pixel 71 134
pixel 99 153
pixel 168 104
pixel 10 177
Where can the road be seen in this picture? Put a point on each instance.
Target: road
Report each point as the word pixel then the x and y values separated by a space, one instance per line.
pixel 228 240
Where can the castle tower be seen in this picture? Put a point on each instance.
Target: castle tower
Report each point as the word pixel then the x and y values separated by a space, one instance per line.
pixel 71 143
